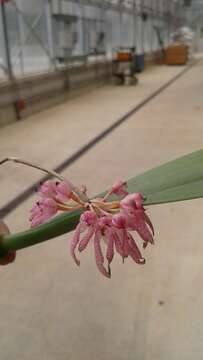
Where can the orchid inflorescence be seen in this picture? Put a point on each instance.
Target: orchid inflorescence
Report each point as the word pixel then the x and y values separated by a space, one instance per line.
pixel 108 222
pixel 102 218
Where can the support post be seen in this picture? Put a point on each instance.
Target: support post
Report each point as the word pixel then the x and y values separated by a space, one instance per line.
pixel 6 40
pixel 134 24
pixel 48 10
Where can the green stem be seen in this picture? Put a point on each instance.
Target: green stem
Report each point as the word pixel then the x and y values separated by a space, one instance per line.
pixel 62 224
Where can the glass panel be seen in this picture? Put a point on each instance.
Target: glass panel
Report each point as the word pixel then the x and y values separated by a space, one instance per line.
pixel 28 36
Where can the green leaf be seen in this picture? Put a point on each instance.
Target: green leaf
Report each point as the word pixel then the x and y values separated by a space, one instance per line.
pixel 178 180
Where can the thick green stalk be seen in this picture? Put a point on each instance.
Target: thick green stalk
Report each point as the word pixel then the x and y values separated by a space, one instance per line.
pixel 60 225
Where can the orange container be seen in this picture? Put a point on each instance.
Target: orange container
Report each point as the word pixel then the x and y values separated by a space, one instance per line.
pixel 176 54
pixel 124 56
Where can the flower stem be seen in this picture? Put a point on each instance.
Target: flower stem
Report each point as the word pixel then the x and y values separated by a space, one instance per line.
pixel 27 163
pixel 81 195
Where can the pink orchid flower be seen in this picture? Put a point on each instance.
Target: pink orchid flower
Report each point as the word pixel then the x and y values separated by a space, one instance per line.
pixel 42 211
pixel 57 190
pixel 108 224
pixel 136 218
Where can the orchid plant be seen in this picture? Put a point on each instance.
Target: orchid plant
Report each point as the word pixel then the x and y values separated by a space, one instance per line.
pixel 115 221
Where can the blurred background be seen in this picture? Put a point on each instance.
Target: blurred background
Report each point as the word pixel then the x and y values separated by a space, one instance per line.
pixel 46 34
pixel 43 35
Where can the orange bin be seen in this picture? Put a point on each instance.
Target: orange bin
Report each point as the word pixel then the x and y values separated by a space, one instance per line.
pixel 124 56
pixel 176 54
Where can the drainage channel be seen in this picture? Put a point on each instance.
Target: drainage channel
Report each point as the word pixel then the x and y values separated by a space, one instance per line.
pixel 19 199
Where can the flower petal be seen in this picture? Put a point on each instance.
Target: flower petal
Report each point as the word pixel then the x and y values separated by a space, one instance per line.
pixel 88 217
pixel 145 234
pixel 86 238
pixel 48 189
pixel 119 188
pixel 73 243
pixel 119 221
pixel 110 245
pixel 149 223
pixel 119 244
pixel 98 254
pixel 63 191
pixel 134 251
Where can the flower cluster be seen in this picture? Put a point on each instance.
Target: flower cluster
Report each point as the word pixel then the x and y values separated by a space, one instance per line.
pixel 109 223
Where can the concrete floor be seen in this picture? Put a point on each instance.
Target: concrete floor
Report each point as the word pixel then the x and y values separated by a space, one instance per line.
pixel 50 309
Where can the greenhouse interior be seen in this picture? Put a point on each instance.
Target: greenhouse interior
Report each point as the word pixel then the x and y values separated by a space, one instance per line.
pixel 101 148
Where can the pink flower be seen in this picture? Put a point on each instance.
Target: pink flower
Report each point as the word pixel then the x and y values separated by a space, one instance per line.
pixel 136 218
pixel 58 190
pixel 113 232
pixel 119 188
pixel 125 244
pixel 86 225
pixel 132 202
pixel 90 227
pixel 42 211
pixel 119 239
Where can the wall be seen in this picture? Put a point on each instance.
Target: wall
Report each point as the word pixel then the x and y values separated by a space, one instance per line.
pixel 48 89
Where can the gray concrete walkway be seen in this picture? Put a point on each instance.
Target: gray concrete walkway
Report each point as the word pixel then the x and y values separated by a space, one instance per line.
pixel 51 310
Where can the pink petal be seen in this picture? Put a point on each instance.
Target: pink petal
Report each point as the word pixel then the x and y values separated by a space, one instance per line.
pixel 145 234
pixel 119 241
pixel 125 243
pixel 88 217
pixel 110 245
pixel 43 211
pixel 85 240
pixel 148 221
pixel 132 202
pixel 73 243
pixel 49 207
pixel 138 223
pixel 134 251
pixel 48 189
pixel 119 221
pixel 128 202
pixel 119 188
pixel 105 221
pixel 35 211
pixel 63 191
pixel 132 220
pixel 98 254
pixel 36 221
pixel 138 199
